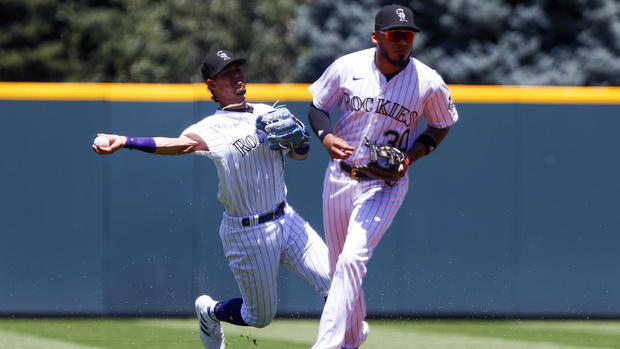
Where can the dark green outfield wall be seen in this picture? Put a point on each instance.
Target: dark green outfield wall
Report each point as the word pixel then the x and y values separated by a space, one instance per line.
pixel 516 214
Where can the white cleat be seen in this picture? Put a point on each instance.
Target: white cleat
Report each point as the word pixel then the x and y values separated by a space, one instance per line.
pixel 211 332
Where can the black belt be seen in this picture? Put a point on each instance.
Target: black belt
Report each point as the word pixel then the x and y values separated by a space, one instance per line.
pixel 352 171
pixel 275 214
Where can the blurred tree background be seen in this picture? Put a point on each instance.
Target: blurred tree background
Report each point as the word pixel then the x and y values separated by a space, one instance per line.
pixel 533 42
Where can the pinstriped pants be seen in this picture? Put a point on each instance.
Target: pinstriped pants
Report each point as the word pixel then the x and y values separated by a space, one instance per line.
pixel 356 214
pixel 255 253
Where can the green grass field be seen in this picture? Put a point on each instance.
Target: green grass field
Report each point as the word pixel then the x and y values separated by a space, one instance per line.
pixel 289 334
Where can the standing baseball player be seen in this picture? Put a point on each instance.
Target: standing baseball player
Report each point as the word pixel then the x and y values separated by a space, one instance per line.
pixel 382 94
pixel 259 230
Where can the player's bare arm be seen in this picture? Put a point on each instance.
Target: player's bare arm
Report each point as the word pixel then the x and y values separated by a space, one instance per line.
pixel 185 144
pixel 158 145
pixel 427 142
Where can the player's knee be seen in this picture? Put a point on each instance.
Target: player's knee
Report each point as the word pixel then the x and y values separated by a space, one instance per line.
pixel 259 318
pixel 260 322
pixel 263 323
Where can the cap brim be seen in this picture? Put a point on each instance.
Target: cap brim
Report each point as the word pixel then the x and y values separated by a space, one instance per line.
pixel 409 27
pixel 240 61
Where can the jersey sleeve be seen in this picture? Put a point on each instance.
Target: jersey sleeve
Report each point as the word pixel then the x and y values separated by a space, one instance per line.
pixel 326 91
pixel 200 132
pixel 439 109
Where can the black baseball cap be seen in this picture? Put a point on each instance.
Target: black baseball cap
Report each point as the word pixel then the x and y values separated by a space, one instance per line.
pixel 395 17
pixel 214 62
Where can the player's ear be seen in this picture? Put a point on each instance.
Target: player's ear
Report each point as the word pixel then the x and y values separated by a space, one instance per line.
pixel 210 84
pixel 373 36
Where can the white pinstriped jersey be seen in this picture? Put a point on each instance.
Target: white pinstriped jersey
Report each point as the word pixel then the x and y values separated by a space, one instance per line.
pixel 388 112
pixel 251 176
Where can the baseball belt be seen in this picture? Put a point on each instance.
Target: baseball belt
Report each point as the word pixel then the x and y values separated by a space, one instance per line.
pixel 351 170
pixel 275 214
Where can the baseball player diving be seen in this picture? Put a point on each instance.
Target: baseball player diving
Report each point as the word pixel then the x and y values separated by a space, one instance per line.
pixel 382 94
pixel 259 229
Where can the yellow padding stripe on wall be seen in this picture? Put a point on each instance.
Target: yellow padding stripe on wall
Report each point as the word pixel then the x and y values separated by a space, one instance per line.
pixel 535 94
pixel 103 91
pixel 143 92
pixel 294 92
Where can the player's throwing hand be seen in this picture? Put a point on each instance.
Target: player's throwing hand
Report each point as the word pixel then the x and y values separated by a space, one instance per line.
pixel 116 142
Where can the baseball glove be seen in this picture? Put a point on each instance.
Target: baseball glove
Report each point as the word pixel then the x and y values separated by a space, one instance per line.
pixel 283 130
pixel 386 162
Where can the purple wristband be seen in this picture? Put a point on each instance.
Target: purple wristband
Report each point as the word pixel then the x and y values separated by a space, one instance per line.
pixel 304 149
pixel 146 144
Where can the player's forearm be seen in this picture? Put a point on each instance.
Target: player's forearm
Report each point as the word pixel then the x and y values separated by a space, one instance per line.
pixel 437 133
pixel 319 121
pixel 417 151
pixel 161 145
pixel 427 142
pixel 174 146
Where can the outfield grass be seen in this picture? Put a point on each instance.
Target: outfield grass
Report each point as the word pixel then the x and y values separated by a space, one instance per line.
pixel 291 334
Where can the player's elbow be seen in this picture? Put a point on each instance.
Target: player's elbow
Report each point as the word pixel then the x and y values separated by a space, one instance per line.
pixel 193 143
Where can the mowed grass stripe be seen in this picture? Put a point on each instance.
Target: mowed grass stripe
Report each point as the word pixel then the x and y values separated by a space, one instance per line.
pixel 387 335
pixel 15 340
pixel 104 333
pixel 421 334
pixel 566 333
pixel 598 326
pixel 301 333
pixel 434 340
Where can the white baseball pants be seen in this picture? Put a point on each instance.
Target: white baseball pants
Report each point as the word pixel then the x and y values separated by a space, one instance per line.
pixel 254 254
pixel 356 214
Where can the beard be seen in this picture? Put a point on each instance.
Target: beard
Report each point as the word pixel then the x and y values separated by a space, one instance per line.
pixel 401 62
pixel 240 92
